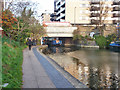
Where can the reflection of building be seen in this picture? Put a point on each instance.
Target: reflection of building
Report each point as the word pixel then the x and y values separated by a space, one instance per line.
pixel 86 11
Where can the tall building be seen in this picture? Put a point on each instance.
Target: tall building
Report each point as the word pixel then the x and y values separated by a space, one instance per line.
pixel 87 11
pixel 45 17
pixel 53 15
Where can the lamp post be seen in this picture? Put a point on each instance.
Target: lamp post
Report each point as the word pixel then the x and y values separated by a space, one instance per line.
pixel 74 15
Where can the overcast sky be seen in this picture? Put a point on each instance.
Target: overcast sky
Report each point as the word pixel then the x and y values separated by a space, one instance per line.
pixel 44 6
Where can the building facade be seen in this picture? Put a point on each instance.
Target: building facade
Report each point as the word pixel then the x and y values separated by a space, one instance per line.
pixel 87 11
pixel 45 17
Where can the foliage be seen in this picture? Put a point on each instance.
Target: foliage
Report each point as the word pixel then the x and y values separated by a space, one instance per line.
pixel 37 30
pixel 78 37
pixel 101 41
pixel 8 22
pixel 24 25
pixel 11 63
pixel 7 19
pixel 110 38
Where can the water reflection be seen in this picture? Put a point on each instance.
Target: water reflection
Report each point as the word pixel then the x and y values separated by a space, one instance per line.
pixel 95 68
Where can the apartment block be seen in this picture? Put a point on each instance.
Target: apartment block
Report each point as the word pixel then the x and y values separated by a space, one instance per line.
pixel 87 12
pixel 45 17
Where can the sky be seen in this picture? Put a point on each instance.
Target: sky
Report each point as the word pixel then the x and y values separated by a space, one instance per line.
pixel 44 6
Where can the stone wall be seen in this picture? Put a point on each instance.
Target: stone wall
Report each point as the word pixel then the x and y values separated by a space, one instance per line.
pixel 85 30
pixel 110 30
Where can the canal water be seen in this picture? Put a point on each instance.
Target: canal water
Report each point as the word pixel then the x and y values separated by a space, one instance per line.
pixel 93 67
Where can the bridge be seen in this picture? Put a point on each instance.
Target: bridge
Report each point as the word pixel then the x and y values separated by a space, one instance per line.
pixel 60 30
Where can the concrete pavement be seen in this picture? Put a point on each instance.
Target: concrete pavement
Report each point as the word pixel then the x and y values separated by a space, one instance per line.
pixel 34 76
pixel 39 73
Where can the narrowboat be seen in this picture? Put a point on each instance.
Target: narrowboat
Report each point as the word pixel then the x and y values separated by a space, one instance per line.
pixel 115 46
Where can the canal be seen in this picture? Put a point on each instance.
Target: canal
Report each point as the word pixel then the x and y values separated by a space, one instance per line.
pixel 93 67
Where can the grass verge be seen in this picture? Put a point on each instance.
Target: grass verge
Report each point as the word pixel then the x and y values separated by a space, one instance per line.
pixel 12 58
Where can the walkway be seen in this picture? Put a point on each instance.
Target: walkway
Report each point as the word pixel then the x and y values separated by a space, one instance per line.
pixel 39 73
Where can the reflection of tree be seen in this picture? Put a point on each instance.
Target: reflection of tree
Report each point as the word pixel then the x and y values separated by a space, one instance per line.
pixel 77 62
pixel 94 77
pixel 114 81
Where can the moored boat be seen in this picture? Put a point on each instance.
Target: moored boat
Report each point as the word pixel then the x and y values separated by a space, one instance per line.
pixel 115 46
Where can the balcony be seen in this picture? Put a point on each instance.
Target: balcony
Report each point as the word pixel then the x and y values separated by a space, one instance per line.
pixel 116 21
pixel 58 15
pixel 116 15
pixel 62 16
pixel 116 3
pixel 53 15
pixel 94 15
pixel 58 7
pixel 116 8
pixel 53 19
pixel 93 21
pixel 58 2
pixel 94 8
pixel 94 2
pixel 62 10
pixel 62 4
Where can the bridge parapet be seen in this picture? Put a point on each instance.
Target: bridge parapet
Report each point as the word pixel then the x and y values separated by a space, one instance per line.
pixel 60 31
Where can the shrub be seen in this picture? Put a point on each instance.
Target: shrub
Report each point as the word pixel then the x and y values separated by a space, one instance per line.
pixel 101 41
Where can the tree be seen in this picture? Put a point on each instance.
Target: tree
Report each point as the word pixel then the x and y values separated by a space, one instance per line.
pixel 100 13
pixel 37 30
pixel 8 21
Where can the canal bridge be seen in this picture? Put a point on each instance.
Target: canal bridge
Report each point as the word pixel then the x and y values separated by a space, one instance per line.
pixel 60 30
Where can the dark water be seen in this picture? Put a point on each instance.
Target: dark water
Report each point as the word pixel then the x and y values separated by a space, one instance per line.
pixel 95 68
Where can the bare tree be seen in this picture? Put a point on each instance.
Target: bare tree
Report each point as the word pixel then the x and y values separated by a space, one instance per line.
pixel 99 11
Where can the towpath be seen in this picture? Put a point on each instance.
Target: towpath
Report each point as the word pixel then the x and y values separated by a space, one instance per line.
pixel 38 72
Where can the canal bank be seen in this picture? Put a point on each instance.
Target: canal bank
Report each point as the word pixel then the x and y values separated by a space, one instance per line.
pixel 94 67
pixel 76 83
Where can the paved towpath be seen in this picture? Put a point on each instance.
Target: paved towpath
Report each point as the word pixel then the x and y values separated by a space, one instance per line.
pixel 39 73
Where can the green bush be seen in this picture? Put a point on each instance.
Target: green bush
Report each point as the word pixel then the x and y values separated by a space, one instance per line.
pixel 101 41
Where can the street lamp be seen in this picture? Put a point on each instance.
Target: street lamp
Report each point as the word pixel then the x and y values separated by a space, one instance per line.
pixel 74 15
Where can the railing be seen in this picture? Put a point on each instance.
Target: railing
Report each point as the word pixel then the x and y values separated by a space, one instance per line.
pixel 62 4
pixel 61 16
pixel 94 15
pixel 62 9
pixel 116 15
pixel 116 3
pixel 116 8
pixel 93 21
pixel 94 8
pixel 95 2
pixel 58 2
